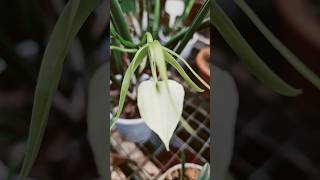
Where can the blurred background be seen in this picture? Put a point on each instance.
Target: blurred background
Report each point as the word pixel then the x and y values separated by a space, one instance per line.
pixel 276 137
pixel 25 27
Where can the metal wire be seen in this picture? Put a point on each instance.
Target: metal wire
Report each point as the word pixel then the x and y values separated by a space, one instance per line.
pixel 196 146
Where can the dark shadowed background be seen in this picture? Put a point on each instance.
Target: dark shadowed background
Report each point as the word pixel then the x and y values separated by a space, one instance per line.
pixel 25 27
pixel 275 137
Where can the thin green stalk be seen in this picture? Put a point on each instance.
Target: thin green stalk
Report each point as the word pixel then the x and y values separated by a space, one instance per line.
pixel 124 42
pixel 284 51
pixel 175 38
pixel 156 19
pixel 148 15
pixel 195 23
pixel 116 48
pixel 116 56
pixel 115 35
pixel 183 161
pixel 119 20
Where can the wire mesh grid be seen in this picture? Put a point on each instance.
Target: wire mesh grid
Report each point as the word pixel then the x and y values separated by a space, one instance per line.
pixel 150 159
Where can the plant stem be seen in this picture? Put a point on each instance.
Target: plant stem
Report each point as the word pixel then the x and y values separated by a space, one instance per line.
pixel 148 15
pixel 195 23
pixel 119 20
pixel 117 48
pixel 124 42
pixel 117 57
pixel 174 39
pixel 183 161
pixel 156 19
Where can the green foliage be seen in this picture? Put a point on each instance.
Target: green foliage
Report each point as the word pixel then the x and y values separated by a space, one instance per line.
pixel 284 51
pixel 96 118
pixel 252 61
pixel 205 172
pixel 128 6
pixel 72 18
pixel 182 169
pixel 141 53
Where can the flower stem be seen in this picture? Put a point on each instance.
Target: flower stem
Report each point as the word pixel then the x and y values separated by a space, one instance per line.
pixel 119 20
pixel 156 19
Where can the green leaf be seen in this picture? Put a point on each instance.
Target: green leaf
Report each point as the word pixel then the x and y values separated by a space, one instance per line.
pixel 116 48
pixel 72 18
pixel 119 20
pixel 187 126
pixel 193 27
pixel 188 66
pixel 128 5
pixel 161 108
pixel 96 120
pixel 156 18
pixel 284 51
pixel 181 71
pixel 142 52
pixel 253 62
pixel 205 172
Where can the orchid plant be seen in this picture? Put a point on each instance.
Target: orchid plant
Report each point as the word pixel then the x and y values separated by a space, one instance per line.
pixel 163 93
pixel 160 102
pixel 160 99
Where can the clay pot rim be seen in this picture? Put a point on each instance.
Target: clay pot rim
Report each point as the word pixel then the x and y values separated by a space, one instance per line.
pixel 132 121
pixel 202 59
pixel 178 166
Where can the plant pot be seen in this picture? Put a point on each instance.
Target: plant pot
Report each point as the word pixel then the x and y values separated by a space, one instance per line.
pixel 203 63
pixel 174 169
pixel 134 130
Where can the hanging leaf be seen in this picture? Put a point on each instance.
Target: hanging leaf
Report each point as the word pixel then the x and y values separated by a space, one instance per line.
pixel 160 105
pixel 181 71
pixel 252 61
pixel 276 43
pixel 96 118
pixel 72 18
pixel 188 66
pixel 139 56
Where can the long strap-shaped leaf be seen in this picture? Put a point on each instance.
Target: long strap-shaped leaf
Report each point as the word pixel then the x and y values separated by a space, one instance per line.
pixel 72 18
pixel 142 52
pixel 284 51
pixel 253 62
pixel 181 71
pixel 188 66
pixel 96 119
